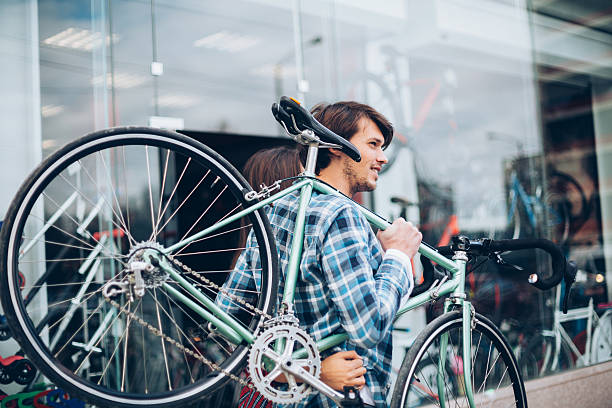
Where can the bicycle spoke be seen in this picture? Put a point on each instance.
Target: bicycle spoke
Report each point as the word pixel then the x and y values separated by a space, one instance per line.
pixel 87 295
pixel 214 251
pixel 153 223
pixel 177 327
pixel 76 223
pixel 123 228
pixel 183 202
pixel 163 344
pixel 211 236
pixel 431 395
pixel 103 196
pixel 65 259
pixel 114 352
pixel 144 353
pixel 109 326
pixel 454 360
pixel 127 197
pixel 125 348
pixel 163 186
pixel 107 172
pixel 178 182
pixel 215 235
pixel 201 216
pixel 229 213
pixel 64 232
pixel 62 244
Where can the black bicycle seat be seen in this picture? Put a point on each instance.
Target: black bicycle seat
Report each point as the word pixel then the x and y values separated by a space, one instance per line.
pixel 288 111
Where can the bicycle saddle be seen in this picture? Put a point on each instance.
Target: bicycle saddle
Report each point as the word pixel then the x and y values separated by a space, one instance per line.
pixel 290 113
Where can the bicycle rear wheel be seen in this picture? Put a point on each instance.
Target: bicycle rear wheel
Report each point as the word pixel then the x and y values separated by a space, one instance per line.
pixel 495 374
pixel 85 215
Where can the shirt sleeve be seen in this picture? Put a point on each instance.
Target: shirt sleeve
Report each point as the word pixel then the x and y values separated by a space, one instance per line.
pixel 366 302
pixel 241 280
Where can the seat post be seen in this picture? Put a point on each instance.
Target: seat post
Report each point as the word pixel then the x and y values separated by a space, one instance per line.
pixel 311 159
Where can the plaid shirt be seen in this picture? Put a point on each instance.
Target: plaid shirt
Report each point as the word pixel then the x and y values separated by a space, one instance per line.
pixel 345 284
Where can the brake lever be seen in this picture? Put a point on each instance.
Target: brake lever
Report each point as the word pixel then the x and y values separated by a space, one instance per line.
pixel 569 277
pixel 502 262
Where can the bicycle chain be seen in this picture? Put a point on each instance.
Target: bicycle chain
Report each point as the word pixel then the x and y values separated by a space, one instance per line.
pixel 212 365
pixel 219 288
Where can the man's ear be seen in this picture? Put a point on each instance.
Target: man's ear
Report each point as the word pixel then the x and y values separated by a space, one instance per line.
pixel 335 152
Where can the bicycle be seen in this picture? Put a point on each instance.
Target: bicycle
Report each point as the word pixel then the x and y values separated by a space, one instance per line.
pixel 390 91
pixel 559 214
pixel 153 336
pixel 555 349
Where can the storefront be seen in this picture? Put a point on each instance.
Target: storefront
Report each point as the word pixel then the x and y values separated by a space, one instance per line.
pixel 501 108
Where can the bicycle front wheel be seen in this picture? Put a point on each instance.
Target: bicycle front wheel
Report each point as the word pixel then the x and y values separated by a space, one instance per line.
pixel 430 376
pixel 79 229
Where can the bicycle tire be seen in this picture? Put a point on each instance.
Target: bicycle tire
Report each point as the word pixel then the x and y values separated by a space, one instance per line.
pixel 130 365
pixel 414 388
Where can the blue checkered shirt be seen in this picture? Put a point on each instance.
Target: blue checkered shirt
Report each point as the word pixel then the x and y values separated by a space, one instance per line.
pixel 345 283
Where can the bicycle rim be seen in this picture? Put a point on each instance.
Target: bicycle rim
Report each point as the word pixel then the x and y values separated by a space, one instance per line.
pixel 495 375
pixel 87 213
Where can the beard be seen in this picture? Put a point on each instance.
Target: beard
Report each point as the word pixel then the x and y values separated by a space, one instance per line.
pixel 357 183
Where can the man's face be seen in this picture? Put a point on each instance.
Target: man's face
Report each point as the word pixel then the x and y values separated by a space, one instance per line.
pixel 369 140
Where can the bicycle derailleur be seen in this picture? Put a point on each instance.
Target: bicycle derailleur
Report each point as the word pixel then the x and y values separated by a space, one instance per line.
pixel 143 271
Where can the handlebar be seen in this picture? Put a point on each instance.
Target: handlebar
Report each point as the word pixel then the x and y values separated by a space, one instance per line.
pixel 562 269
pixel 489 247
pixel 558 260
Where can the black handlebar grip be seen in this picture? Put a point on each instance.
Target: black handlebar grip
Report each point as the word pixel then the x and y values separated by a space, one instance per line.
pixel 558 260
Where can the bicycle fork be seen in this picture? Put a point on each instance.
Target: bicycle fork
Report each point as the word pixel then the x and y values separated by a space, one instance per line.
pixel 464 364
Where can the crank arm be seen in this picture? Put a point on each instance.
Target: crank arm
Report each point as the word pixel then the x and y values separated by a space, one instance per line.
pixel 312 381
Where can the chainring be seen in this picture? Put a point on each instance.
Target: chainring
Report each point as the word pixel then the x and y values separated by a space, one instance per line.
pixel 264 371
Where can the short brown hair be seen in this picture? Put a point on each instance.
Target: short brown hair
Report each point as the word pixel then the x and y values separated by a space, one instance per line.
pixel 268 165
pixel 343 119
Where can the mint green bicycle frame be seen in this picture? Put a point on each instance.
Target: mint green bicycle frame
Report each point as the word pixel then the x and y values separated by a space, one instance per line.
pixel 237 333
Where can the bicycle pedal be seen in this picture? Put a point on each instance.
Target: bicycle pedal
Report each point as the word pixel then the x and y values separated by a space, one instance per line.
pixel 351 398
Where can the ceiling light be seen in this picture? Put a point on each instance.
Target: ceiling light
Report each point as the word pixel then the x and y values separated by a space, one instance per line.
pixel 227 41
pixel 274 71
pixel 78 39
pixel 49 144
pixel 121 80
pixel 177 101
pixel 51 110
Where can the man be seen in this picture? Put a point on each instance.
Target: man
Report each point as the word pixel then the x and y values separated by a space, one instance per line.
pixel 350 280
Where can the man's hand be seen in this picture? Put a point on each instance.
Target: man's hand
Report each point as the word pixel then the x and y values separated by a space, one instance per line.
pixel 344 368
pixel 401 235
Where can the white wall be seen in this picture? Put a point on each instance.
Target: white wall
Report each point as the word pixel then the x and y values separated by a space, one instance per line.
pixel 20 132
